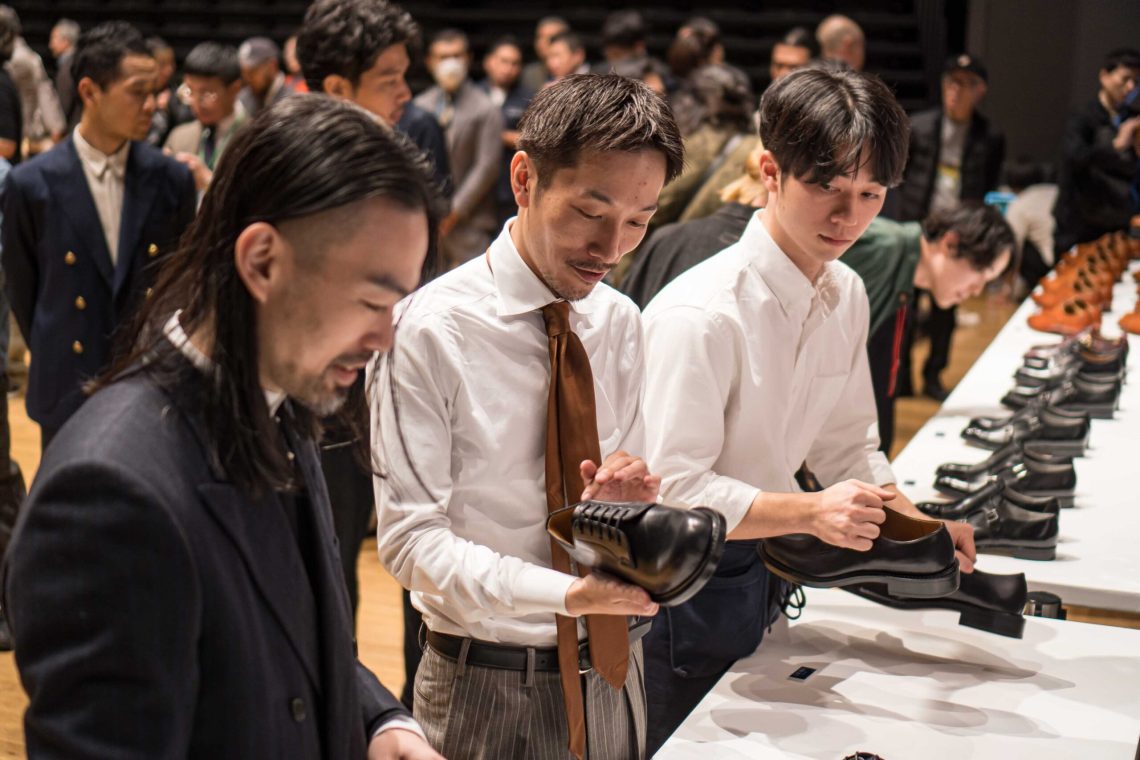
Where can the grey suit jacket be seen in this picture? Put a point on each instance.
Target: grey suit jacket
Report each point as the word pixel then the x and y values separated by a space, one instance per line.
pixel 474 145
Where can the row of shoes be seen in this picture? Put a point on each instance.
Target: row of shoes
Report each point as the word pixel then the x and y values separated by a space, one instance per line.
pixel 1074 296
pixel 1013 499
pixel 672 553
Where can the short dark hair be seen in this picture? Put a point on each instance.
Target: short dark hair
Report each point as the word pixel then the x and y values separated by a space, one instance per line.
pixel 572 40
pixel 101 49
pixel 450 35
pixel 212 59
pixel 1128 57
pixel 799 36
pixel 624 28
pixel 345 37
pixel 821 120
pixel 983 233
pixel 600 113
pixel 263 176
pixel 504 41
pixel 723 98
pixel 693 46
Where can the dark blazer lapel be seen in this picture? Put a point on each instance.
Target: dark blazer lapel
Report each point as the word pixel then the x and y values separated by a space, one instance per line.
pixel 338 656
pixel 138 197
pixel 261 534
pixel 76 201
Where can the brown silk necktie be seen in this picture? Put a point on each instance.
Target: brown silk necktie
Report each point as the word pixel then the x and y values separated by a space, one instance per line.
pixel 571 437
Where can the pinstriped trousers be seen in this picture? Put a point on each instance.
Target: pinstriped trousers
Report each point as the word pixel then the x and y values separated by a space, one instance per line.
pixel 476 713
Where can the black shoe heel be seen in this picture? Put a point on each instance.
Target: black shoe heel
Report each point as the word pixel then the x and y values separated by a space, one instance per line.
pixel 930 587
pixel 1001 623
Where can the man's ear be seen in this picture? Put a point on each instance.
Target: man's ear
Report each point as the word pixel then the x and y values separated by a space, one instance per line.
pixel 234 87
pixel 257 258
pixel 524 179
pixel 87 90
pixel 769 172
pixel 950 242
pixel 338 87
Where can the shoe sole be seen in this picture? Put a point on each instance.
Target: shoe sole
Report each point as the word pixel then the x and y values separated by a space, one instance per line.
pixel 1035 550
pixel 913 586
pixel 1009 624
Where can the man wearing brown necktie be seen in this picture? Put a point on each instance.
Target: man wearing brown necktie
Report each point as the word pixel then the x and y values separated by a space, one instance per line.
pixel 515 389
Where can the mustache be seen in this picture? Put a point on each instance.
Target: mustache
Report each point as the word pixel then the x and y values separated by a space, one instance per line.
pixel 593 266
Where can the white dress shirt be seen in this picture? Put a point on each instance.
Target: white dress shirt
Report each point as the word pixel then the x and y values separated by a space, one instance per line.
pixel 106 180
pixel 751 370
pixel 471 370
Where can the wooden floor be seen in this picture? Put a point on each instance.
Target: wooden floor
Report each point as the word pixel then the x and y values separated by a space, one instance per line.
pixel 380 633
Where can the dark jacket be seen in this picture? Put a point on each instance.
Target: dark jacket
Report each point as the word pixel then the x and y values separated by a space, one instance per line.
pixel 66 296
pixel 513 108
pixel 678 247
pixel 1096 179
pixel 423 130
pixel 982 157
pixel 159 612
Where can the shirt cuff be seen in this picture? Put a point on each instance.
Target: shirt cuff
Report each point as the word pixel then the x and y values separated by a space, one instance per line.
pixel 541 589
pixel 881 469
pixel 404 724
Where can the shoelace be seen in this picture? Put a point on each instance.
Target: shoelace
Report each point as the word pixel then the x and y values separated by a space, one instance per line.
pixel 603 521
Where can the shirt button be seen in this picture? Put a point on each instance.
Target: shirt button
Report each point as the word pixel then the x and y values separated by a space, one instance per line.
pixel 297 706
pixel 152 250
pixel 149 292
pixel 69 259
pixel 80 303
pixel 77 347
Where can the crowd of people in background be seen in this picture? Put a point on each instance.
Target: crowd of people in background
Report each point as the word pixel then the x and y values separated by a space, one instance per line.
pixel 120 153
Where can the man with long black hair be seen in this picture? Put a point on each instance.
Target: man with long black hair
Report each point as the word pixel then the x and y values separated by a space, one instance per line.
pixel 173 585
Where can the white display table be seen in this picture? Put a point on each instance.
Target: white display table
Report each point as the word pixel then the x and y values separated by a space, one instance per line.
pixel 912 685
pixel 1098 554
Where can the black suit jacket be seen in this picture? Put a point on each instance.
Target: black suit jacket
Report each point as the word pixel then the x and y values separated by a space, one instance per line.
pixel 66 295
pixel 160 613
pixel 982 157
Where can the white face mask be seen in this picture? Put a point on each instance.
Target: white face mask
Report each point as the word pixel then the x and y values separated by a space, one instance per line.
pixel 450 73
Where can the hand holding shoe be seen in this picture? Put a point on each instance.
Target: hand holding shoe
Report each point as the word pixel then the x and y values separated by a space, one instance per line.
pixel 849 514
pixel 622 477
pixel 597 594
pixel 964 549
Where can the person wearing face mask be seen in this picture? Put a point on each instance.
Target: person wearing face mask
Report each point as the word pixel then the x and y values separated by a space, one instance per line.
pixel 473 127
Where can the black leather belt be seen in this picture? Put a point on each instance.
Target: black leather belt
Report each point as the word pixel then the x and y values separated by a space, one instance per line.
pixel 508 657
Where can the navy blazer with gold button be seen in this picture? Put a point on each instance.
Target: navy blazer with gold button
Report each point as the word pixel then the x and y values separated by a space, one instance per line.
pixel 67 296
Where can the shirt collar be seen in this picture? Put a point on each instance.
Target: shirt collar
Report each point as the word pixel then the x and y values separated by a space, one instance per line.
pixel 181 341
pixel 784 278
pixel 520 290
pixel 97 161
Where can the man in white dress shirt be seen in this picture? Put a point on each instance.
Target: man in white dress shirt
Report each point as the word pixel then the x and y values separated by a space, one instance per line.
pixel 757 364
pixel 460 415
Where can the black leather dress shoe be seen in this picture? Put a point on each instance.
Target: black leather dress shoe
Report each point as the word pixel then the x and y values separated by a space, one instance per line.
pixel 1004 528
pixel 996 460
pixel 1024 474
pixel 1097 398
pixel 912 557
pixel 1048 430
pixel 991 603
pixel 5 635
pixel 669 552
pixel 990 494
